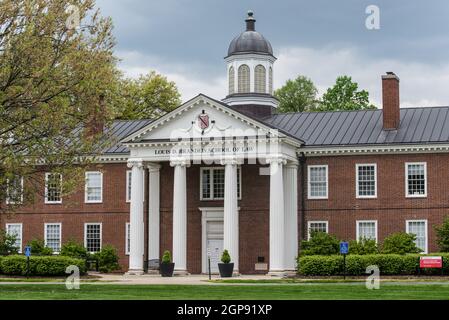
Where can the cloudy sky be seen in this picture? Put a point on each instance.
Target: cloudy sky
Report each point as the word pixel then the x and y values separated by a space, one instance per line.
pixel 186 40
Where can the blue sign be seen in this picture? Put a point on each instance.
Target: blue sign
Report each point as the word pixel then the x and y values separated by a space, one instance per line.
pixel 28 251
pixel 344 247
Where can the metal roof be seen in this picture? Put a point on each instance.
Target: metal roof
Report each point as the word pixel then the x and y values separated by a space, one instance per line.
pixel 345 128
pixel 119 130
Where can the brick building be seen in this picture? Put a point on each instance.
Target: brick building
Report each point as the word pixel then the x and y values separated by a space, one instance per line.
pixel 236 175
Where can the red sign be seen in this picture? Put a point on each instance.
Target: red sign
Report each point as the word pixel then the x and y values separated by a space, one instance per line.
pixel 431 262
pixel 203 121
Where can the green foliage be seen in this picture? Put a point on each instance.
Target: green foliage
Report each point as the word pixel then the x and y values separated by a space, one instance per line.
pixel 150 96
pixel 225 257
pixel 39 266
pixel 400 243
pixel 320 243
pixel 38 248
pixel 74 249
pixel 320 265
pixel 107 259
pixel 344 95
pixel 7 244
pixel 442 233
pixel 166 258
pixel 363 246
pixel 297 95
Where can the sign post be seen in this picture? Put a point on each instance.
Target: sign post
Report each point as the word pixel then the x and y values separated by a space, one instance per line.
pixel 28 254
pixel 208 261
pixel 344 249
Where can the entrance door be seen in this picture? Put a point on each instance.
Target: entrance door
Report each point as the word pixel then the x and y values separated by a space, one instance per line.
pixel 214 244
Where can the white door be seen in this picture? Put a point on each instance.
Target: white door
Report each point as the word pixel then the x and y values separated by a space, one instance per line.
pixel 214 244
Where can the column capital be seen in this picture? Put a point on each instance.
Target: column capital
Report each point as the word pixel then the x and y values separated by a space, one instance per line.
pixel 153 167
pixel 135 162
pixel 231 161
pixel 292 164
pixel 278 159
pixel 180 162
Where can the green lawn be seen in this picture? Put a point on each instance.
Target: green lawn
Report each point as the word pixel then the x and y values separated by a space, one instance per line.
pixel 203 292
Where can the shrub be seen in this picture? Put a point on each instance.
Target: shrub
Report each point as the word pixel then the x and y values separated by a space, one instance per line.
pixel 38 248
pixel 320 243
pixel 107 259
pixel 225 257
pixel 39 265
pixel 320 265
pixel 363 246
pixel 74 249
pixel 166 258
pixel 442 232
pixel 7 244
pixel 400 243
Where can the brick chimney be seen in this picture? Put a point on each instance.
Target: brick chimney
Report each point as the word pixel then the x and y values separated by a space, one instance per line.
pixel 390 100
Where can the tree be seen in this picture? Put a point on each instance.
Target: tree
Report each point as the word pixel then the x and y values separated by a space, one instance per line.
pixel 344 95
pixel 297 95
pixel 400 243
pixel 320 243
pixel 55 70
pixel 149 96
pixel 442 232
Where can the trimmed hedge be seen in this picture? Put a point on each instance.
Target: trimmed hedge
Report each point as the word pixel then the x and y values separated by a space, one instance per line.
pixel 389 264
pixel 39 265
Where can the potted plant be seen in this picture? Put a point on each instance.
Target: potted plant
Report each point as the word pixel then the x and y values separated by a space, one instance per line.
pixel 226 268
pixel 166 267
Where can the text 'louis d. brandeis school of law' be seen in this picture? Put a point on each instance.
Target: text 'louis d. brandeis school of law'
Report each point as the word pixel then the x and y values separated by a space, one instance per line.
pixel 234 174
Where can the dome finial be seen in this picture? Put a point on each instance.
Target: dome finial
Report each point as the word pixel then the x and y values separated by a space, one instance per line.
pixel 250 22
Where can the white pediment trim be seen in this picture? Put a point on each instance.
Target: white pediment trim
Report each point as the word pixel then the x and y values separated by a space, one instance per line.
pixel 202 99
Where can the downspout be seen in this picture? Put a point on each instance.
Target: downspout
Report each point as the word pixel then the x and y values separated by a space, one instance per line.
pixel 302 164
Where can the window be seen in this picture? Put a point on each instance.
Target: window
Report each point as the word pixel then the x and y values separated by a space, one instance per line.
pixel 418 228
pixel 367 230
pixel 415 182
pixel 53 236
pixel 270 81
pixel 127 238
pixel 318 188
pixel 260 79
pixel 94 187
pixel 92 237
pixel 243 81
pixel 317 226
pixel 15 229
pixel 128 185
pixel 366 182
pixel 53 188
pixel 231 80
pixel 14 191
pixel 213 183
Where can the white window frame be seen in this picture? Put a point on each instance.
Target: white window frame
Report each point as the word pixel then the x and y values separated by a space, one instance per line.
pixel 21 233
pixel 366 221
pixel 8 201
pixel 128 193
pixel 202 169
pixel 357 191
pixel 86 187
pixel 407 195
pixel 85 234
pixel 426 250
pixel 309 189
pixel 127 234
pixel 60 234
pixel 47 174
pixel 315 221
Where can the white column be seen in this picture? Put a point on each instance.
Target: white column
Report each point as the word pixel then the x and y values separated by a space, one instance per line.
pixel 153 211
pixel 231 215
pixel 277 221
pixel 291 215
pixel 180 216
pixel 136 218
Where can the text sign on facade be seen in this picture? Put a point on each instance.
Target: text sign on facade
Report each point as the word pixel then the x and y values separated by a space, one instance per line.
pixel 344 247
pixel 431 262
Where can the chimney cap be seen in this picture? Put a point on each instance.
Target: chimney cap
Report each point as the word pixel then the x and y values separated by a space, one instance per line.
pixel 390 75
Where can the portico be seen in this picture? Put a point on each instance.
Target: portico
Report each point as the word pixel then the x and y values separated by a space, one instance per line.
pixel 275 153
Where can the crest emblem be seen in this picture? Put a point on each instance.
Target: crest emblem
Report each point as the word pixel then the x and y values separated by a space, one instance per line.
pixel 203 121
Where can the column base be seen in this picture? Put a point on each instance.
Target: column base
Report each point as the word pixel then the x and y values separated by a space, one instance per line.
pixel 181 273
pixel 135 272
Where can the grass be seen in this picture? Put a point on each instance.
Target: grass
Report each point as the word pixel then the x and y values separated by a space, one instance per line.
pixel 355 291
